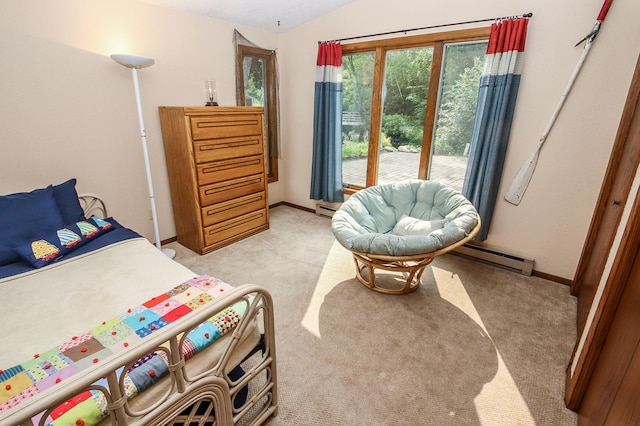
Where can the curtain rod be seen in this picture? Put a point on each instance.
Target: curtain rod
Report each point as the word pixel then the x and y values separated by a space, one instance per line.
pixel 524 15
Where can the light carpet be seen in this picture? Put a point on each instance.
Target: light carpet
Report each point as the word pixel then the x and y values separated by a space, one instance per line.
pixel 474 345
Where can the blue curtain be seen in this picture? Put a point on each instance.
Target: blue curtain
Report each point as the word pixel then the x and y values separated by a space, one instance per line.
pixel 326 171
pixel 496 103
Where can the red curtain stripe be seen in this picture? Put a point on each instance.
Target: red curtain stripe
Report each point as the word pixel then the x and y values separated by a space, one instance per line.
pixel 508 36
pixel 329 54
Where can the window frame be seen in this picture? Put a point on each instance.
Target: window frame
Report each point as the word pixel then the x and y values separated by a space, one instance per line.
pixel 271 102
pixel 437 41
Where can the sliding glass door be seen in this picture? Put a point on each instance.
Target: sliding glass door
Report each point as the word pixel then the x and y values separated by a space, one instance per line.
pixel 409 106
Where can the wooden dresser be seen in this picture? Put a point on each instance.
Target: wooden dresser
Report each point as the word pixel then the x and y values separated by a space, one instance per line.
pixel 216 162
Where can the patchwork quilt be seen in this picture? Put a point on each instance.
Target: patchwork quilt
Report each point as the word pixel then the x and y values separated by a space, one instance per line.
pixel 48 369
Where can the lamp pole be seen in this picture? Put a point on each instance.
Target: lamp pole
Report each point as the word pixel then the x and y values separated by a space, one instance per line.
pixel 134 63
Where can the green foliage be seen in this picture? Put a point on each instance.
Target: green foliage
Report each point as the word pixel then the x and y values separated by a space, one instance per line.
pixel 385 141
pixel 407 79
pixel 398 129
pixel 457 113
pixel 254 78
pixel 357 79
pixel 352 149
pixel 360 148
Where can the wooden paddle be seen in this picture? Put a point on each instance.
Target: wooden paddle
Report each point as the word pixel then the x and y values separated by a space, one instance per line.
pixel 523 177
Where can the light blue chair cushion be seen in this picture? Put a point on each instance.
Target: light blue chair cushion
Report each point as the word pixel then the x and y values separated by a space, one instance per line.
pixel 364 222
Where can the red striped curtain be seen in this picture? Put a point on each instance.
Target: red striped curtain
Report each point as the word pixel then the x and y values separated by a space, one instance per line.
pixel 494 113
pixel 326 172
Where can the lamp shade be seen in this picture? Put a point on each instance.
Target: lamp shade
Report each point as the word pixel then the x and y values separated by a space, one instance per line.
pixel 132 61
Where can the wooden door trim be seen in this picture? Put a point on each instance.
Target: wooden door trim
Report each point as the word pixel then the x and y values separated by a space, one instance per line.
pixel 592 263
pixel 576 383
pixel 593 257
pixel 611 397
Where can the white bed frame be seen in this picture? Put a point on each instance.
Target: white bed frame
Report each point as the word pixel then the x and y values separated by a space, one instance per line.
pixel 187 395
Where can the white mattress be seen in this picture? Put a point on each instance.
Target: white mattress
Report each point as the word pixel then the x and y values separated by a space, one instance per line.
pixel 45 308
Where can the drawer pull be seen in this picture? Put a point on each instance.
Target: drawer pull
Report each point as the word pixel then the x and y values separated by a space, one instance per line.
pixel 235 228
pixel 203 128
pixel 215 146
pixel 244 202
pixel 215 150
pixel 225 123
pixel 230 165
pixel 235 224
pixel 237 185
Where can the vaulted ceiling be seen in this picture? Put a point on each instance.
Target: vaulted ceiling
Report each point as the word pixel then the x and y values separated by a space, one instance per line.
pixel 276 16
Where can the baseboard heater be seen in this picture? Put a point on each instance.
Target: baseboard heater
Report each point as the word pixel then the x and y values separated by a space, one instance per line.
pixel 325 210
pixel 483 254
pixel 493 257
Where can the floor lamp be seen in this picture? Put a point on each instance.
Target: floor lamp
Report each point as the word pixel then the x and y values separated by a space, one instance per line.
pixel 135 62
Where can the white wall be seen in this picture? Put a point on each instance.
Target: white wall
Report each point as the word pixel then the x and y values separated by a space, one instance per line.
pixel 551 222
pixel 67 110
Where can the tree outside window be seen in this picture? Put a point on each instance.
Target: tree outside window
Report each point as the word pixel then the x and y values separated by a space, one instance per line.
pixel 258 67
pixel 409 107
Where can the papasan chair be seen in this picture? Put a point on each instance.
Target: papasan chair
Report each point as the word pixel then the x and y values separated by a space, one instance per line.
pixel 402 227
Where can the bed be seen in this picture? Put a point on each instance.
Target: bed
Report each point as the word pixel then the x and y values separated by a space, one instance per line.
pixel 99 327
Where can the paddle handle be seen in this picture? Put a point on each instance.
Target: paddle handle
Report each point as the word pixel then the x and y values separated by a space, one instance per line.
pixel 604 10
pixel 565 93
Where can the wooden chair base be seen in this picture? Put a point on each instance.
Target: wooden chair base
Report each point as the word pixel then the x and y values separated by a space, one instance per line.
pixel 413 266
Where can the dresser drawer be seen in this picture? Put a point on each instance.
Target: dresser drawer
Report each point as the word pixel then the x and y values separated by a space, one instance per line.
pixel 226 210
pixel 222 170
pixel 235 228
pixel 225 126
pixel 220 149
pixel 229 189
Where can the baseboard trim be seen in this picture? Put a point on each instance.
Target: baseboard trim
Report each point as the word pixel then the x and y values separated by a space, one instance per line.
pixel 295 206
pixel 554 278
pixel 169 240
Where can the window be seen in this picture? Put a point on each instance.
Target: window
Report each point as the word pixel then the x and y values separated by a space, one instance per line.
pixel 409 107
pixel 259 89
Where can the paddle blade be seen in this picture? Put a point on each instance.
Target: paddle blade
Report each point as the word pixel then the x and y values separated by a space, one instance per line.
pixel 521 181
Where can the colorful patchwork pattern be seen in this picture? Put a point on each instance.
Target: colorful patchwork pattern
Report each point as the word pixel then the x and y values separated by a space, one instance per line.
pixel 46 370
pixel 53 246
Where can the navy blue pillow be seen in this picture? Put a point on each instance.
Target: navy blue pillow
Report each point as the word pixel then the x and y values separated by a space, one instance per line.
pixel 24 215
pixel 67 201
